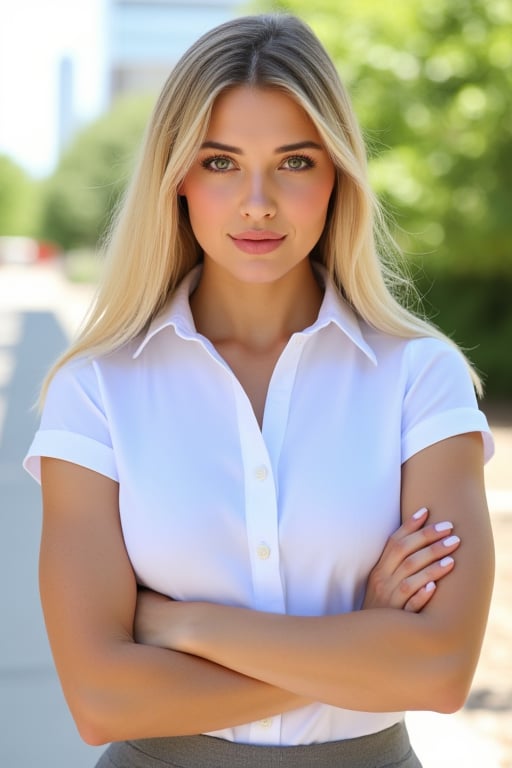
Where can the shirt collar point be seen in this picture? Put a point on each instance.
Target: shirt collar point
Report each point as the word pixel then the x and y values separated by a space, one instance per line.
pixel 176 313
pixel 335 309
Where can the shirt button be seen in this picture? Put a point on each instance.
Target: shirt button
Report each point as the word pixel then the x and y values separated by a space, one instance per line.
pixel 263 551
pixel 266 722
pixel 261 472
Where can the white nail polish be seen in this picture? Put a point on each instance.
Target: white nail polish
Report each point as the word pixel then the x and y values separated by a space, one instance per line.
pixel 443 526
pixel 451 540
pixel 419 513
pixel 430 586
pixel 446 561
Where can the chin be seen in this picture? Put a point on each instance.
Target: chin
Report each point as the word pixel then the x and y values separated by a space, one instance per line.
pixel 263 272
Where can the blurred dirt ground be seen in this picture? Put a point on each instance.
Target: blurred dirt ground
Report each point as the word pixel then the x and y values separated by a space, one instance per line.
pixel 489 707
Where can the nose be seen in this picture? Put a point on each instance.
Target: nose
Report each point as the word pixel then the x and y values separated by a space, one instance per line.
pixel 258 202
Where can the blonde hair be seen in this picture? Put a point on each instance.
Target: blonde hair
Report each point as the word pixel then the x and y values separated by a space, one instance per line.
pixel 151 246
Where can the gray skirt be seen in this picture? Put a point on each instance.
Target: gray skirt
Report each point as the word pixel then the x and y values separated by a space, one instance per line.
pixel 386 749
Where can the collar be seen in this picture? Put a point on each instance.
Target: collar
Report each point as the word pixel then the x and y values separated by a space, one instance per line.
pixel 334 309
pixel 176 313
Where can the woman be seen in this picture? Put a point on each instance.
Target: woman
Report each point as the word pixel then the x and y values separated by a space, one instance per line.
pixel 248 423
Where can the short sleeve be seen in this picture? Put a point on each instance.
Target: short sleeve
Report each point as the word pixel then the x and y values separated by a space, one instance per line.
pixel 73 424
pixel 440 400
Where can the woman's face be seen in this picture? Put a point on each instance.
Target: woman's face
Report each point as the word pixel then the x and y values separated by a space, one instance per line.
pixel 259 188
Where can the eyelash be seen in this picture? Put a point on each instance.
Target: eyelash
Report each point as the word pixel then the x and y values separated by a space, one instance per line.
pixel 309 162
pixel 207 162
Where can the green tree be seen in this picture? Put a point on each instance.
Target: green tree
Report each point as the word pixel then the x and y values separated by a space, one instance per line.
pixel 431 83
pixel 19 198
pixel 92 173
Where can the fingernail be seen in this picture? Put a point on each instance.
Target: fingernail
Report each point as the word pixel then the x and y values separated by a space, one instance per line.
pixel 451 540
pixel 430 586
pixel 420 513
pixel 446 561
pixel 443 526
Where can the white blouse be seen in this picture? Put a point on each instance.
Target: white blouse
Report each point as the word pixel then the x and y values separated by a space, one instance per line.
pixel 290 518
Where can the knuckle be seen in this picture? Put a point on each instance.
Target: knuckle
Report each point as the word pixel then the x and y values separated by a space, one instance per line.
pixel 415 604
pixel 379 584
pixel 410 564
pixel 397 545
pixel 433 572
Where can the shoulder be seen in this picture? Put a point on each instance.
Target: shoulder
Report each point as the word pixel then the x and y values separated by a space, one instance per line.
pixel 75 374
pixel 87 370
pixel 430 379
pixel 407 359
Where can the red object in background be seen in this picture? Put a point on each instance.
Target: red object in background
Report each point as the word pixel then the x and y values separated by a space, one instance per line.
pixel 47 251
pixel 26 250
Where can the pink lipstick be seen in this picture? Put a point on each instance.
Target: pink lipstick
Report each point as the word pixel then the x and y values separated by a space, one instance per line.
pixel 257 241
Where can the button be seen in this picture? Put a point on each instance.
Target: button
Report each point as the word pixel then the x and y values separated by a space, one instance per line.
pixel 266 722
pixel 261 472
pixel 263 551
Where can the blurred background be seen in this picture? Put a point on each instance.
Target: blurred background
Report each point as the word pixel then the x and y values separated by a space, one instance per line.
pixel 431 82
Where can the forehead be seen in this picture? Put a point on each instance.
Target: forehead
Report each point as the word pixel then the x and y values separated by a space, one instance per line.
pixel 251 113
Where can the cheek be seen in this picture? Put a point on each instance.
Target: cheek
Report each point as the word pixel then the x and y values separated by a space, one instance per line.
pixel 310 202
pixel 205 202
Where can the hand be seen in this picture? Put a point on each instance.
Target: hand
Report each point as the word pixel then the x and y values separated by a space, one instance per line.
pixel 151 622
pixel 415 557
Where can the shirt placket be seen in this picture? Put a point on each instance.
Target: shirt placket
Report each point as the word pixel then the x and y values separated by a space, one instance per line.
pixel 260 455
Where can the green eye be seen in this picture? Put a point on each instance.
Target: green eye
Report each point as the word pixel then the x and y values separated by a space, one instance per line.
pixel 221 163
pixel 217 163
pixel 299 163
pixel 296 163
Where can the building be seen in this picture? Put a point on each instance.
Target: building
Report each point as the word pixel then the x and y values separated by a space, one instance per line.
pixel 146 37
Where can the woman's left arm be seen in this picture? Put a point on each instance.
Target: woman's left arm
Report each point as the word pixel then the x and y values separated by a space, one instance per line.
pixel 376 659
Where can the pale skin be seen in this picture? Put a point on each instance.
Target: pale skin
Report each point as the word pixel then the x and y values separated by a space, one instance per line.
pixel 136 665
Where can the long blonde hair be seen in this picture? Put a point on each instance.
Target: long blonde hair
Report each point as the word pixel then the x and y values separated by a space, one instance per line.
pixel 150 245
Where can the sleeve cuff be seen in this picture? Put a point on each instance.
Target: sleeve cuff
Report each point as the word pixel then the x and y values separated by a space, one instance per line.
pixel 444 425
pixel 72 447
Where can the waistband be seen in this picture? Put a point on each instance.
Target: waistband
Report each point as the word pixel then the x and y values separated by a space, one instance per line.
pixel 387 748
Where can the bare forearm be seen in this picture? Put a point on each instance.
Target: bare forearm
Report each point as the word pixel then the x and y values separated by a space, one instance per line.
pixel 142 692
pixel 375 660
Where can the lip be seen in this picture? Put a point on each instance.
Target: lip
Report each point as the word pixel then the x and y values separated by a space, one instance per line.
pixel 258 234
pixel 257 242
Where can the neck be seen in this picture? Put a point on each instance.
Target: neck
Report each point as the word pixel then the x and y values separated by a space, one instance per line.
pixel 257 316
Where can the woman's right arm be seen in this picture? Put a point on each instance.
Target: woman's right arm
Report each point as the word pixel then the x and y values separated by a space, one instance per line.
pixel 117 689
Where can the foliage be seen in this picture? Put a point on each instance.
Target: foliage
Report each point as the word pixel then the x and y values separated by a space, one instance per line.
pixel 475 310
pixel 91 175
pixel 431 83
pixel 19 200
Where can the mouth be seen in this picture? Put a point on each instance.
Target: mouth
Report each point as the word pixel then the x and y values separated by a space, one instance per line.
pixel 256 241
pixel 258 234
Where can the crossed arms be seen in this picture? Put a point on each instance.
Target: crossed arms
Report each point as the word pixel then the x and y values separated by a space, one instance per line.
pixel 138 665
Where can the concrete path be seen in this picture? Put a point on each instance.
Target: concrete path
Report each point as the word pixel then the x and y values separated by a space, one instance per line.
pixel 38 312
pixel 36 316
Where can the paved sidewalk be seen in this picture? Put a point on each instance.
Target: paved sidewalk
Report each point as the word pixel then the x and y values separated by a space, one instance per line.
pixel 38 312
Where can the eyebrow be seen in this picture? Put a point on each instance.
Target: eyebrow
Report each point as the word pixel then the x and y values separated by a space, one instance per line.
pixel 278 150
